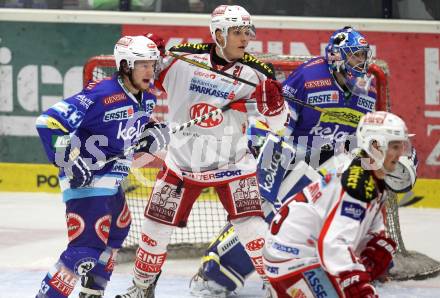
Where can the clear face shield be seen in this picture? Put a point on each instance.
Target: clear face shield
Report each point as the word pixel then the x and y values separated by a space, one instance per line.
pixel 382 154
pixel 248 31
pixel 356 68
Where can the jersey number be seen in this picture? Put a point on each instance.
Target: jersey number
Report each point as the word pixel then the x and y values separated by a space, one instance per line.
pixel 73 116
pixel 278 219
pixel 237 71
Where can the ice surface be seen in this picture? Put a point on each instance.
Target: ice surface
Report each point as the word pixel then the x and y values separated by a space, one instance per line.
pixel 32 235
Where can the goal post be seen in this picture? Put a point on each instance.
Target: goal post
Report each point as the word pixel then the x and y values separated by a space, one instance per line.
pixel 208 215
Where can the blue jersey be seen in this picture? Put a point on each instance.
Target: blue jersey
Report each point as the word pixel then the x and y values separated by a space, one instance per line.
pixel 104 119
pixel 313 83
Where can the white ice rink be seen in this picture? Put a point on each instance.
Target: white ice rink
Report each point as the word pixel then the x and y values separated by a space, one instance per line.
pixel 32 235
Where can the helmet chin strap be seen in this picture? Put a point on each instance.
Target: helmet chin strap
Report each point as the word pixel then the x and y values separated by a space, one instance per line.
pixel 222 53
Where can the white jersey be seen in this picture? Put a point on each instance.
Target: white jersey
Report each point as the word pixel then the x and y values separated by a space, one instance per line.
pixel 218 144
pixel 329 222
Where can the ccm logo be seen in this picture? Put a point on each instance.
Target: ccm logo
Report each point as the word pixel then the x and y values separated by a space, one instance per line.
pixel 255 244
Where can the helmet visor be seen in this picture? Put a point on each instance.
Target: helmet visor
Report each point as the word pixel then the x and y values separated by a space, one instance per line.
pixel 247 30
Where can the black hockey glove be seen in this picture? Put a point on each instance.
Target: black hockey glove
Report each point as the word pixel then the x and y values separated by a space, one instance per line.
pixel 77 170
pixel 155 137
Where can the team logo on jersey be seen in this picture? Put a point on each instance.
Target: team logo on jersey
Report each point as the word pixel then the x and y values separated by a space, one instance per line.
pixel 84 265
pixel 289 91
pixel 164 203
pixel 123 113
pixel 60 141
pixel 314 191
pixel 323 97
pixel 318 83
pixel 63 281
pixel 200 109
pixel 353 210
pixel 208 88
pixel 256 244
pixel 344 116
pixel 285 248
pixel 246 196
pixel 335 133
pixel 120 167
pixel 75 225
pixel 367 103
pixel 206 75
pixel 207 176
pixel 149 106
pixel 128 133
pixel 148 262
pixel 102 227
pixel 84 101
pixel 114 98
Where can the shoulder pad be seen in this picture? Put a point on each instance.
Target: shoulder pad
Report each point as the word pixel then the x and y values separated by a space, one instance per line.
pixel 193 48
pixel 93 85
pixel 359 183
pixel 259 65
pixel 315 61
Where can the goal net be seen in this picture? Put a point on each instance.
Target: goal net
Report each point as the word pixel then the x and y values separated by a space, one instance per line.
pixel 208 215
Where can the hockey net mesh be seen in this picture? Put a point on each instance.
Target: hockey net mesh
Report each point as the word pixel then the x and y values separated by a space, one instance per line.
pixel 208 215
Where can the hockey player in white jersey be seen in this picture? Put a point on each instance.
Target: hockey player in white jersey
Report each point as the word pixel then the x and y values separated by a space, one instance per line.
pixel 214 153
pixel 329 240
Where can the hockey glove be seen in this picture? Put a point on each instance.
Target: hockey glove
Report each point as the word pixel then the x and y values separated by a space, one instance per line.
pixel 159 41
pixel 155 137
pixel 355 284
pixel 377 255
pixel 270 101
pixel 77 170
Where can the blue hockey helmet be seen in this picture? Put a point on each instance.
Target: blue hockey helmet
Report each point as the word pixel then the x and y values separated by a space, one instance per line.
pixel 349 53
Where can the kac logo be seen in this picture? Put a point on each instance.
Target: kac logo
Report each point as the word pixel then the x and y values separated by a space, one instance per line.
pixel 200 109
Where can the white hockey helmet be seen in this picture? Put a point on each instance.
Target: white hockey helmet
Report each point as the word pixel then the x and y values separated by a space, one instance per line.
pixel 383 128
pixel 134 48
pixel 227 16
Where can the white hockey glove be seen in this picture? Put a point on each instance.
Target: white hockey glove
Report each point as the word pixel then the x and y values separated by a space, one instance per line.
pixel 155 137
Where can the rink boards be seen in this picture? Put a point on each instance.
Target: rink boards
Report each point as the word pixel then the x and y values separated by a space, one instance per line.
pixel 43 178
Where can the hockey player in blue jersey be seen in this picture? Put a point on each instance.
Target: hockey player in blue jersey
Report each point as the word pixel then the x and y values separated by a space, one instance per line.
pixel 339 83
pixel 80 134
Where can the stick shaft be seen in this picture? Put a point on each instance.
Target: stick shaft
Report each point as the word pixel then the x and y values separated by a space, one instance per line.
pixel 228 75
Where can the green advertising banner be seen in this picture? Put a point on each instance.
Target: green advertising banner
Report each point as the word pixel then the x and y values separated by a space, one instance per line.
pixel 41 63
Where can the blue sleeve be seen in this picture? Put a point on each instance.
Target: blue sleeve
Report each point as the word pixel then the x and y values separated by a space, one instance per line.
pixel 293 86
pixel 56 124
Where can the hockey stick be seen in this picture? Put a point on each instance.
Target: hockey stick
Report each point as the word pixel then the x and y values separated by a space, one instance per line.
pixel 292 99
pixel 192 122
